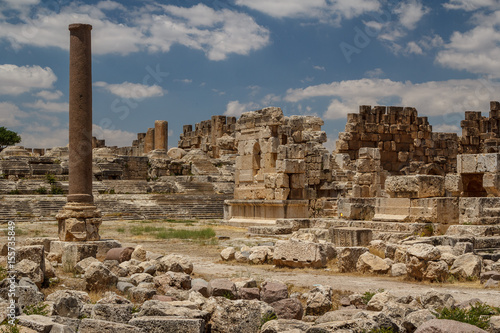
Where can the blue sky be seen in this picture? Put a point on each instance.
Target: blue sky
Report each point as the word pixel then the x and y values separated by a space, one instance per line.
pixel 184 61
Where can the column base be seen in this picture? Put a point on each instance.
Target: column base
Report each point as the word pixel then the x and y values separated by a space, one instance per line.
pixel 79 222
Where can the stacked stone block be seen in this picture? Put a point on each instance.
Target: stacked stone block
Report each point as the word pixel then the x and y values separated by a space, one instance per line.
pixel 481 134
pixel 400 135
pixel 207 136
pixel 367 181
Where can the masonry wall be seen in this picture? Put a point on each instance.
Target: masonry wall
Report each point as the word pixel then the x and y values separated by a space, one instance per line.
pixel 405 140
pixel 213 136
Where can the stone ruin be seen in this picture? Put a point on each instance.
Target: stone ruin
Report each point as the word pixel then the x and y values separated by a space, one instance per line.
pixel 390 173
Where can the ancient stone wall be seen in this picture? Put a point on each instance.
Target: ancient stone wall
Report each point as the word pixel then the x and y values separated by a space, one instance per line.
pixel 481 134
pixel 405 140
pixel 280 158
pixel 215 136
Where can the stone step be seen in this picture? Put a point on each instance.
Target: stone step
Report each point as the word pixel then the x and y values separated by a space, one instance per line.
pixel 489 254
pixel 269 231
pixel 390 217
pixel 381 226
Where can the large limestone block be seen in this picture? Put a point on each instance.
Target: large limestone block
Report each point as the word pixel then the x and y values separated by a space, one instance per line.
pixel 370 263
pixel 478 163
pixel 294 253
pixel 491 183
pixel 350 236
pixel 424 251
pixel 415 186
pixel 347 258
pixel 95 325
pixel 226 315
pixel 168 324
pixel 466 266
pixel 75 252
pixel 291 166
pixel 447 326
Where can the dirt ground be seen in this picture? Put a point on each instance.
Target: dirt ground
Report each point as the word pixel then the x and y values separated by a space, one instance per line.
pixel 204 253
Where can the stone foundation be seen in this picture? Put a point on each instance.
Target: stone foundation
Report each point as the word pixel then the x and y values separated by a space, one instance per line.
pixel 79 222
pixel 251 211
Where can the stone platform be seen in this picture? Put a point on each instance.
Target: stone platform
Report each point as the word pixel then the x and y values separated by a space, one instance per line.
pixel 258 212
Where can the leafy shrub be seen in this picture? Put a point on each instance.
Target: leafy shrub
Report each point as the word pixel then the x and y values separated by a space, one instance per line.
pixel 478 315
pixel 41 190
pixel 36 309
pixel 56 190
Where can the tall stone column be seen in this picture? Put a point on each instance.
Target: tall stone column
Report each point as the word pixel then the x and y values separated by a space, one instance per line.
pixel 149 140
pixel 161 134
pixel 79 220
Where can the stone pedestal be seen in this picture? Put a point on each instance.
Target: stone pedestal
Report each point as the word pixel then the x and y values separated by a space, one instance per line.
pixel 79 222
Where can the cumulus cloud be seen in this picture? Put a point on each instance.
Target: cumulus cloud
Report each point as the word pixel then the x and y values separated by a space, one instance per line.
pixel 470 5
pixel 391 30
pixel 430 98
pixel 375 73
pixel 48 106
pixel 218 33
pixel 410 13
pixel 319 68
pixel 270 99
pixel 135 91
pixel 15 80
pixel 10 114
pixel 235 108
pixel 49 95
pixel 113 137
pixel 476 50
pixel 324 11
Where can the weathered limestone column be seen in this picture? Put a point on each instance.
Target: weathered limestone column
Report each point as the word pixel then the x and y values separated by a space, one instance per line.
pixel 149 140
pixel 161 134
pixel 79 220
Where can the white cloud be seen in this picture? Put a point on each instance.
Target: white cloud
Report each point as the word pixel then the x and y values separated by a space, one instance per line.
pixel 324 11
pixel 235 108
pixel 16 80
pixel 319 68
pixel 49 95
pixel 186 81
pixel 156 28
pixel 413 48
pixel 476 50
pixel 110 5
pixel 10 114
pixel 375 73
pixel 389 31
pixel 40 136
pixel 217 33
pixel 135 91
pixel 254 90
pixel 447 128
pixel 113 137
pixel 430 98
pixel 48 106
pixel 470 5
pixel 270 99
pixel 410 13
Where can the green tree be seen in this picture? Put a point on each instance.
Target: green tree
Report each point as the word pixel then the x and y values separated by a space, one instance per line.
pixel 8 138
